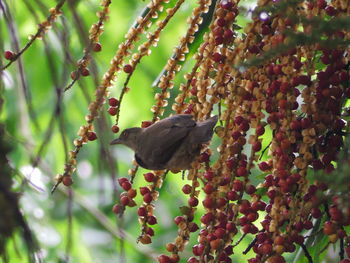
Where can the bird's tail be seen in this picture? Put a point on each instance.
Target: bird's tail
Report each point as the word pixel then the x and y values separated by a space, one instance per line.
pixel 204 130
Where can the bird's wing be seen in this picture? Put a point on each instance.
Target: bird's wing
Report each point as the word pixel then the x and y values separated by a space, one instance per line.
pixel 180 120
pixel 165 137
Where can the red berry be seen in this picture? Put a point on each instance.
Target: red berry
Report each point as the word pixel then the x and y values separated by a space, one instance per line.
pixel 331 11
pixel 113 102
pixel 226 5
pixel 328 228
pixel 193 201
pixel 117 209
pixel 265 248
pixel 73 75
pixel 126 185
pixel 145 239
pixel 256 146
pixel 128 68
pixel 179 219
pixel 85 72
pixel 241 171
pixel 187 189
pixel 209 175
pixel 204 157
pixel 142 211
pixel 207 218
pixel 192 227
pixel 122 180
pixel 124 200
pixel 96 47
pixel 208 202
pixel 112 111
pixel 163 259
pixel 265 30
pixel 198 249
pixel 217 57
pixel 147 198
pixel 132 193
pixel 67 180
pixel 144 190
pixel 151 220
pixel 250 189
pixel 9 55
pixel 236 134
pixel 232 196
pixel 91 136
pixel 237 185
pixel 260 130
pixel 208 188
pixel 149 177
pixel 146 124
pixel 115 129
pixel 264 166
pixel 221 22
pixel 321 4
pixel 192 260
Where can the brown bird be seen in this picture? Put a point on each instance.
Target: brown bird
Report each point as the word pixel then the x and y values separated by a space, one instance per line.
pixel 172 143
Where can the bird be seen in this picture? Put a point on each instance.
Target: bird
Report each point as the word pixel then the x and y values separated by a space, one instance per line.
pixel 169 144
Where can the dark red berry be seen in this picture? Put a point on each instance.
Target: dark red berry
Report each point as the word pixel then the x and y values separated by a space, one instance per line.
pixel 9 55
pixel 179 219
pixel 115 129
pixel 144 190
pixel 221 22
pixel 142 211
pixel 163 259
pixel 149 177
pixel 113 102
pixel 117 209
pixel 91 136
pixel 112 111
pixel 126 185
pixel 85 72
pixel 96 47
pixel 124 200
pixel 193 201
pixel 331 11
pixel 321 4
pixel 187 189
pixel 128 68
pixel 147 198
pixel 151 220
pixel 241 171
pixel 146 124
pixel 67 180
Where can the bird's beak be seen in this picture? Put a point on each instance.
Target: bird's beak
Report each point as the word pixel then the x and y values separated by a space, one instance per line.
pixel 116 141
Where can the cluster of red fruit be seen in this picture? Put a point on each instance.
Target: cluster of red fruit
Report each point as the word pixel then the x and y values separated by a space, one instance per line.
pixel 300 103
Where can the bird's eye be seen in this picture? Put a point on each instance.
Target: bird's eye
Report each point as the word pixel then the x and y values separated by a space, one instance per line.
pixel 125 134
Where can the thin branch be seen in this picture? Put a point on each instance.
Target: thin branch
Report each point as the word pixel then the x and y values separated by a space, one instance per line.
pixel 325 248
pixel 265 149
pixel 240 240
pixel 341 251
pixel 37 35
pixel 250 246
pixel 306 252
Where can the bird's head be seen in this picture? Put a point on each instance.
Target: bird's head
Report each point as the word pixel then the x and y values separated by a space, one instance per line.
pixel 129 137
